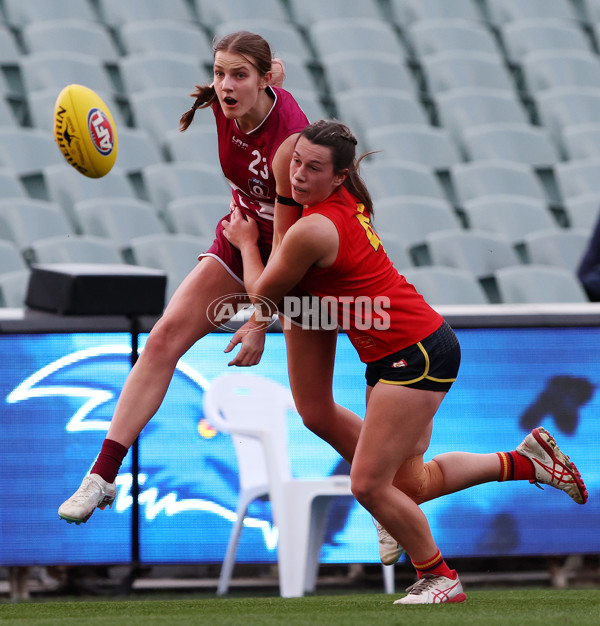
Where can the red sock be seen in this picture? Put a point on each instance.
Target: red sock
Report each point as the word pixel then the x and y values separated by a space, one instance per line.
pixel 515 466
pixel 109 460
pixel 436 566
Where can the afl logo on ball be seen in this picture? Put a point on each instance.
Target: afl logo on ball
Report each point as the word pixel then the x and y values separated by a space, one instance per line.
pixel 101 131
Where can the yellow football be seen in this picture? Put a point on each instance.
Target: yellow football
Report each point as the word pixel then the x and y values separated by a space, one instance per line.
pixel 85 131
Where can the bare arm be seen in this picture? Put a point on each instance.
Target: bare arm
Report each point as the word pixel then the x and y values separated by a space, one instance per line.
pixel 285 215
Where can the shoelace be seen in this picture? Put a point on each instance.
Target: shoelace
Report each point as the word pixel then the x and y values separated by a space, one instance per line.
pixel 422 585
pixel 85 491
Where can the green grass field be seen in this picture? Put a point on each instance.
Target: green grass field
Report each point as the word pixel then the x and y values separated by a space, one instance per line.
pixel 547 607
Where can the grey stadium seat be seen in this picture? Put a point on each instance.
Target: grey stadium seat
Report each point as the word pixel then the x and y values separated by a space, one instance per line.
pixel 528 35
pixel 560 248
pixel 513 217
pixel 446 285
pixel 465 69
pixel 307 12
pixel 24 220
pixel 117 12
pixel 521 143
pixel 433 36
pixel 389 177
pixel 21 12
pixel 583 211
pixel 75 249
pixel 484 178
pixel 405 12
pixel 537 284
pixel 582 141
pixel 548 69
pixel 166 36
pixel 575 178
pixel 197 215
pixel 70 35
pixel 420 143
pixel 213 13
pixel 13 288
pixel 503 11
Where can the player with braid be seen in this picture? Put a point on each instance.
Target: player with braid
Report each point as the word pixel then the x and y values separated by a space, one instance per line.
pixel 412 358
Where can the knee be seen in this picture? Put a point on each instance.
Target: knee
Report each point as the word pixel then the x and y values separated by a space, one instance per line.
pixel 316 416
pixel 365 488
pixel 164 341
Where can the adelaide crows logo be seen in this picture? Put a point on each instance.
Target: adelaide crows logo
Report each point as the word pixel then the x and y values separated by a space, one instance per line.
pixel 186 466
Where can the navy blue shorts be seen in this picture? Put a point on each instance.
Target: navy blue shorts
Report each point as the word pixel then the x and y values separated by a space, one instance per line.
pixel 430 364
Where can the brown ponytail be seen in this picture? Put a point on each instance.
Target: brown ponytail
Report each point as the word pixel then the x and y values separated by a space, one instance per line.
pixel 205 95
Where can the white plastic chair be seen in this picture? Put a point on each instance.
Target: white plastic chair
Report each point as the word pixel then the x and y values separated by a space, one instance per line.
pixel 254 410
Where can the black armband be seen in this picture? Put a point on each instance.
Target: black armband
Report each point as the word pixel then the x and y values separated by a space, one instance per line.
pixel 287 201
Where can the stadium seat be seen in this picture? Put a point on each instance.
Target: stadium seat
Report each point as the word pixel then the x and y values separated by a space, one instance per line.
pixel 513 217
pixel 21 12
pixel 24 220
pixel 575 178
pixel 10 184
pixel 161 69
pixel 388 177
pixel 158 111
pixel 298 76
pixel 558 248
pixel 434 36
pixel 9 48
pixel 521 143
pixel 446 285
pixel 212 13
pixel 175 254
pixel 405 12
pixel 136 150
pixel 55 70
pixel 308 12
pixel 396 251
pixel 583 211
pixel 169 181
pixel 354 34
pixel 118 12
pixel 66 186
pixel 365 110
pixel 427 145
pixel 197 215
pixel 530 35
pixel 166 36
pixel 582 141
pixel 502 11
pixel 410 219
pixel 118 220
pixel 8 115
pixel 74 249
pixel 27 150
pixel 447 70
pixel 13 288
pixel 70 35
pixel 198 144
pixel 41 107
pixel 564 106
pixel 346 71
pixel 284 38
pixel 548 69
pixel 236 405
pixel 591 10
pixel 484 178
pixel 537 284
pixel 10 258
pixel 460 109
pixel 479 252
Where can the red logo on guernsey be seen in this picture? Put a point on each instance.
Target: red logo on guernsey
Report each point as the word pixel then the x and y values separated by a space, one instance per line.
pixel 401 363
pixel 101 131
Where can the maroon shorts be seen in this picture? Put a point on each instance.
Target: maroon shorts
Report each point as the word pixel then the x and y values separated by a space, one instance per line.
pixel 230 257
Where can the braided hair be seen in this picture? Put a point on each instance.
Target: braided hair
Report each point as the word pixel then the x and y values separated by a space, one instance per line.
pixel 341 141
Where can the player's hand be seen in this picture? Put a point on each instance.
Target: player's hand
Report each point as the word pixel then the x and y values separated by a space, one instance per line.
pixel 252 337
pixel 239 230
pixel 277 73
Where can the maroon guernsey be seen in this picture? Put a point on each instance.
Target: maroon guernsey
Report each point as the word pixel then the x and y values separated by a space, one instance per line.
pixel 246 158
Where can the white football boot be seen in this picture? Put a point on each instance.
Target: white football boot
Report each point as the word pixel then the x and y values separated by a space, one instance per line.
pixel 552 467
pixel 94 492
pixel 433 589
pixel 389 549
